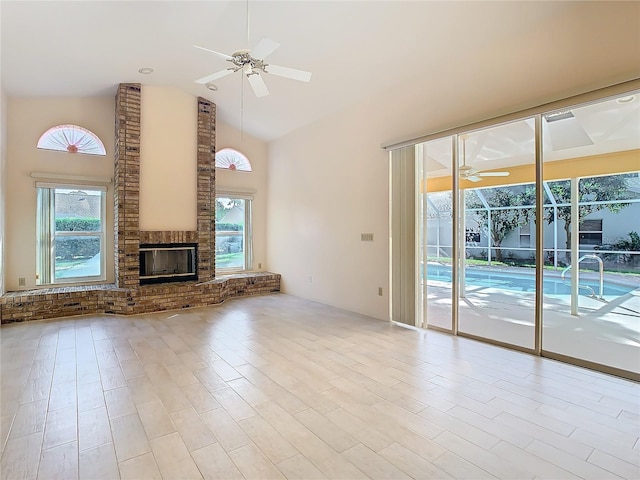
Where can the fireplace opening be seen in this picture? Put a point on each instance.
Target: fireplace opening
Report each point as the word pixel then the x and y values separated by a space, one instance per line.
pixel 168 262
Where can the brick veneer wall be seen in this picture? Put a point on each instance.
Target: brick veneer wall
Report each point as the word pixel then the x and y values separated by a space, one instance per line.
pixel 127 186
pixel 127 296
pixel 206 214
pixel 168 237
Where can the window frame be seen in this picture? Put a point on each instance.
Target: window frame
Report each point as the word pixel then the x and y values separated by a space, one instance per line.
pixel 46 240
pixel 525 236
pixel 247 231
pixel 588 237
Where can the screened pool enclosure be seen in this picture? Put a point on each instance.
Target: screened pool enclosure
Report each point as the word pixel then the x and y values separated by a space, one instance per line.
pixel 500 223
pixel 524 231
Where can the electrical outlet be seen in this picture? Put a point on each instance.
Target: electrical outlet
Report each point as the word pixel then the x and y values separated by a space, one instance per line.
pixel 310 278
pixel 380 291
pixel 259 266
pixel 21 282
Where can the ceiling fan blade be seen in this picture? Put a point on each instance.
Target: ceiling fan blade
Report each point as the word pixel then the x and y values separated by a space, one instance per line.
pixel 493 174
pixel 215 76
pixel 258 85
pixel 287 72
pixel 223 55
pixel 264 48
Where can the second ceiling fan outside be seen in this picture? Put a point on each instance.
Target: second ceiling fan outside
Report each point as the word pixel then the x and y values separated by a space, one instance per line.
pixel 472 174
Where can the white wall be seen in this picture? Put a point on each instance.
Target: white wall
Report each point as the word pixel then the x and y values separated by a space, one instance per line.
pixel 254 182
pixel 328 181
pixel 327 184
pixel 27 120
pixel 168 162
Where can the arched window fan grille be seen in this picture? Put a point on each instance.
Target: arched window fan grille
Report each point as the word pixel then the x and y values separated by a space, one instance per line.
pixel 232 160
pixel 72 139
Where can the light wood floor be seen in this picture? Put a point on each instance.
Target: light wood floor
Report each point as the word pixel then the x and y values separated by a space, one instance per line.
pixel 279 387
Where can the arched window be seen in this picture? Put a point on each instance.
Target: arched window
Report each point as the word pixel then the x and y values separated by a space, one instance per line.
pixel 232 160
pixel 72 139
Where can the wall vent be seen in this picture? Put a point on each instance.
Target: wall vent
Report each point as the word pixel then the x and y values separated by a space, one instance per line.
pixel 366 237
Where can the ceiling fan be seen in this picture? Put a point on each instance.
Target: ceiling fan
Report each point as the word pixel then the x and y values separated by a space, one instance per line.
pixel 252 64
pixel 467 172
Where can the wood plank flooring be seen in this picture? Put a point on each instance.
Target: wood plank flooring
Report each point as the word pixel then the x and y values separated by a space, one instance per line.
pixel 279 387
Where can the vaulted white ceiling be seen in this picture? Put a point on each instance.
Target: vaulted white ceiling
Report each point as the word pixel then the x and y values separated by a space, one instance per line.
pixel 425 54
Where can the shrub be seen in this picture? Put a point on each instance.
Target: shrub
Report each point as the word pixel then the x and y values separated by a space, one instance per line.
pixel 69 248
pixel 631 244
pixel 228 227
pixel 77 224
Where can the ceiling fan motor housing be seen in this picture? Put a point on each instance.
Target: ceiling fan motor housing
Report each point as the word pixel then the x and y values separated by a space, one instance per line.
pixel 241 58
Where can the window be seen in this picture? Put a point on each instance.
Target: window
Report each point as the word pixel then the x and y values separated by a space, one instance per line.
pixel 525 236
pixel 233 233
pixel 232 160
pixel 70 234
pixel 72 139
pixel 472 236
pixel 591 232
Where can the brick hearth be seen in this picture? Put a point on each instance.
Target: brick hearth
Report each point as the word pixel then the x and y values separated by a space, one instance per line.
pixel 98 299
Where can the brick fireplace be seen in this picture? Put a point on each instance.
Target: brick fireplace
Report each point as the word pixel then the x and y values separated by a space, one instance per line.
pixel 128 236
pixel 128 296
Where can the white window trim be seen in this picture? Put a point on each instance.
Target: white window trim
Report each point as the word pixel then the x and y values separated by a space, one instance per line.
pixel 93 181
pixel 247 195
pixel 235 192
pixel 47 262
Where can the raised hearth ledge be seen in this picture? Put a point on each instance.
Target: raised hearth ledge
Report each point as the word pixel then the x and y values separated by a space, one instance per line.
pixel 70 301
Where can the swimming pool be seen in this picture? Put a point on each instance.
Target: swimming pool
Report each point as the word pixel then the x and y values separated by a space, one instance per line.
pixel 517 282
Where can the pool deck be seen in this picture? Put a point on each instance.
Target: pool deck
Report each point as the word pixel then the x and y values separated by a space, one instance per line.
pixel 604 331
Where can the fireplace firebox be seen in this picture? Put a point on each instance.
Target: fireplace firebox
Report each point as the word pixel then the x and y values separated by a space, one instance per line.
pixel 168 262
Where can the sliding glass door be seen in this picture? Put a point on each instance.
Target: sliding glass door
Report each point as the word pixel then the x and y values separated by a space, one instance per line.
pixel 528 233
pixel 497 233
pixel 435 160
pixel 592 223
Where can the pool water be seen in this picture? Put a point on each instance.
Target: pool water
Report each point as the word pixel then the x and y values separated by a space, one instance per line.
pixel 515 282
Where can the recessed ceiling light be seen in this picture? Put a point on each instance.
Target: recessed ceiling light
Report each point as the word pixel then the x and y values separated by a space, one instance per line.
pixel 146 70
pixel 212 87
pixel 628 99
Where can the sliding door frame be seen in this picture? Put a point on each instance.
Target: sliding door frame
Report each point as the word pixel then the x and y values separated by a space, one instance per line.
pixel 535 113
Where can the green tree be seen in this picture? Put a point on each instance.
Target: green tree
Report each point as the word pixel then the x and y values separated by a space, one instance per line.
pixel 503 220
pixel 593 189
